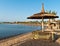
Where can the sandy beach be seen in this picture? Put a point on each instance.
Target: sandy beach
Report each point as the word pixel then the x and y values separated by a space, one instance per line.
pixel 38 42
pixel 14 40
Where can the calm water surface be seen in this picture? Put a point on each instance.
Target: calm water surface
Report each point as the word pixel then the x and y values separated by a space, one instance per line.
pixel 7 30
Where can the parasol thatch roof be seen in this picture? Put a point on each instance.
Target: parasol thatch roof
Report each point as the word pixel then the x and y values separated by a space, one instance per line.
pixel 43 15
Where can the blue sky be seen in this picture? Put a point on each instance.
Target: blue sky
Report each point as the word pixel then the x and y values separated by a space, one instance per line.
pixel 19 10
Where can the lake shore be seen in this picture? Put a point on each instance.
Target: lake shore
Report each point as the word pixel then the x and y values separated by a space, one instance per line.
pixel 16 39
pixel 25 40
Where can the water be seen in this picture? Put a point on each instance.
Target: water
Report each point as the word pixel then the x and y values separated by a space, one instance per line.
pixel 7 30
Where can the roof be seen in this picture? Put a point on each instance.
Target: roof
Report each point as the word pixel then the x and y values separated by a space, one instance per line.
pixel 43 15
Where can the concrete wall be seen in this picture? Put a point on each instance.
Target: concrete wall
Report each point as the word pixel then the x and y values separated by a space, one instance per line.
pixel 16 39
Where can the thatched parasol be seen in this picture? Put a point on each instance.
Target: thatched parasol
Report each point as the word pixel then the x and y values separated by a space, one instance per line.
pixel 42 15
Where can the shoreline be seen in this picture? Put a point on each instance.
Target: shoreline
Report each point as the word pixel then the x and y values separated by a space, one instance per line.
pixel 10 36
pixel 18 40
pixel 33 24
pixel 29 24
pixel 15 39
pixel 2 38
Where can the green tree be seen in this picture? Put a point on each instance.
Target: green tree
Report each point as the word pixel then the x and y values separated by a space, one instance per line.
pixel 51 12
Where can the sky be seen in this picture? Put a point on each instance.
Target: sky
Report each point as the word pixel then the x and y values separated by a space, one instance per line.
pixel 19 10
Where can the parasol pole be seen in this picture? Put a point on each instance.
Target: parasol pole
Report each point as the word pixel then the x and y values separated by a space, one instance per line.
pixel 49 23
pixel 42 24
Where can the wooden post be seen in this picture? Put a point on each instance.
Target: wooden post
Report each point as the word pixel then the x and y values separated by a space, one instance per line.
pixel 42 24
pixel 49 24
pixel 52 35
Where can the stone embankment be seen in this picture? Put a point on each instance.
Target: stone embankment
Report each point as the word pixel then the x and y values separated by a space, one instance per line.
pixel 15 40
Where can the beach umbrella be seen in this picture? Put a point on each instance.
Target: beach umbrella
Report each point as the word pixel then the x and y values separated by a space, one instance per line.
pixel 42 15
